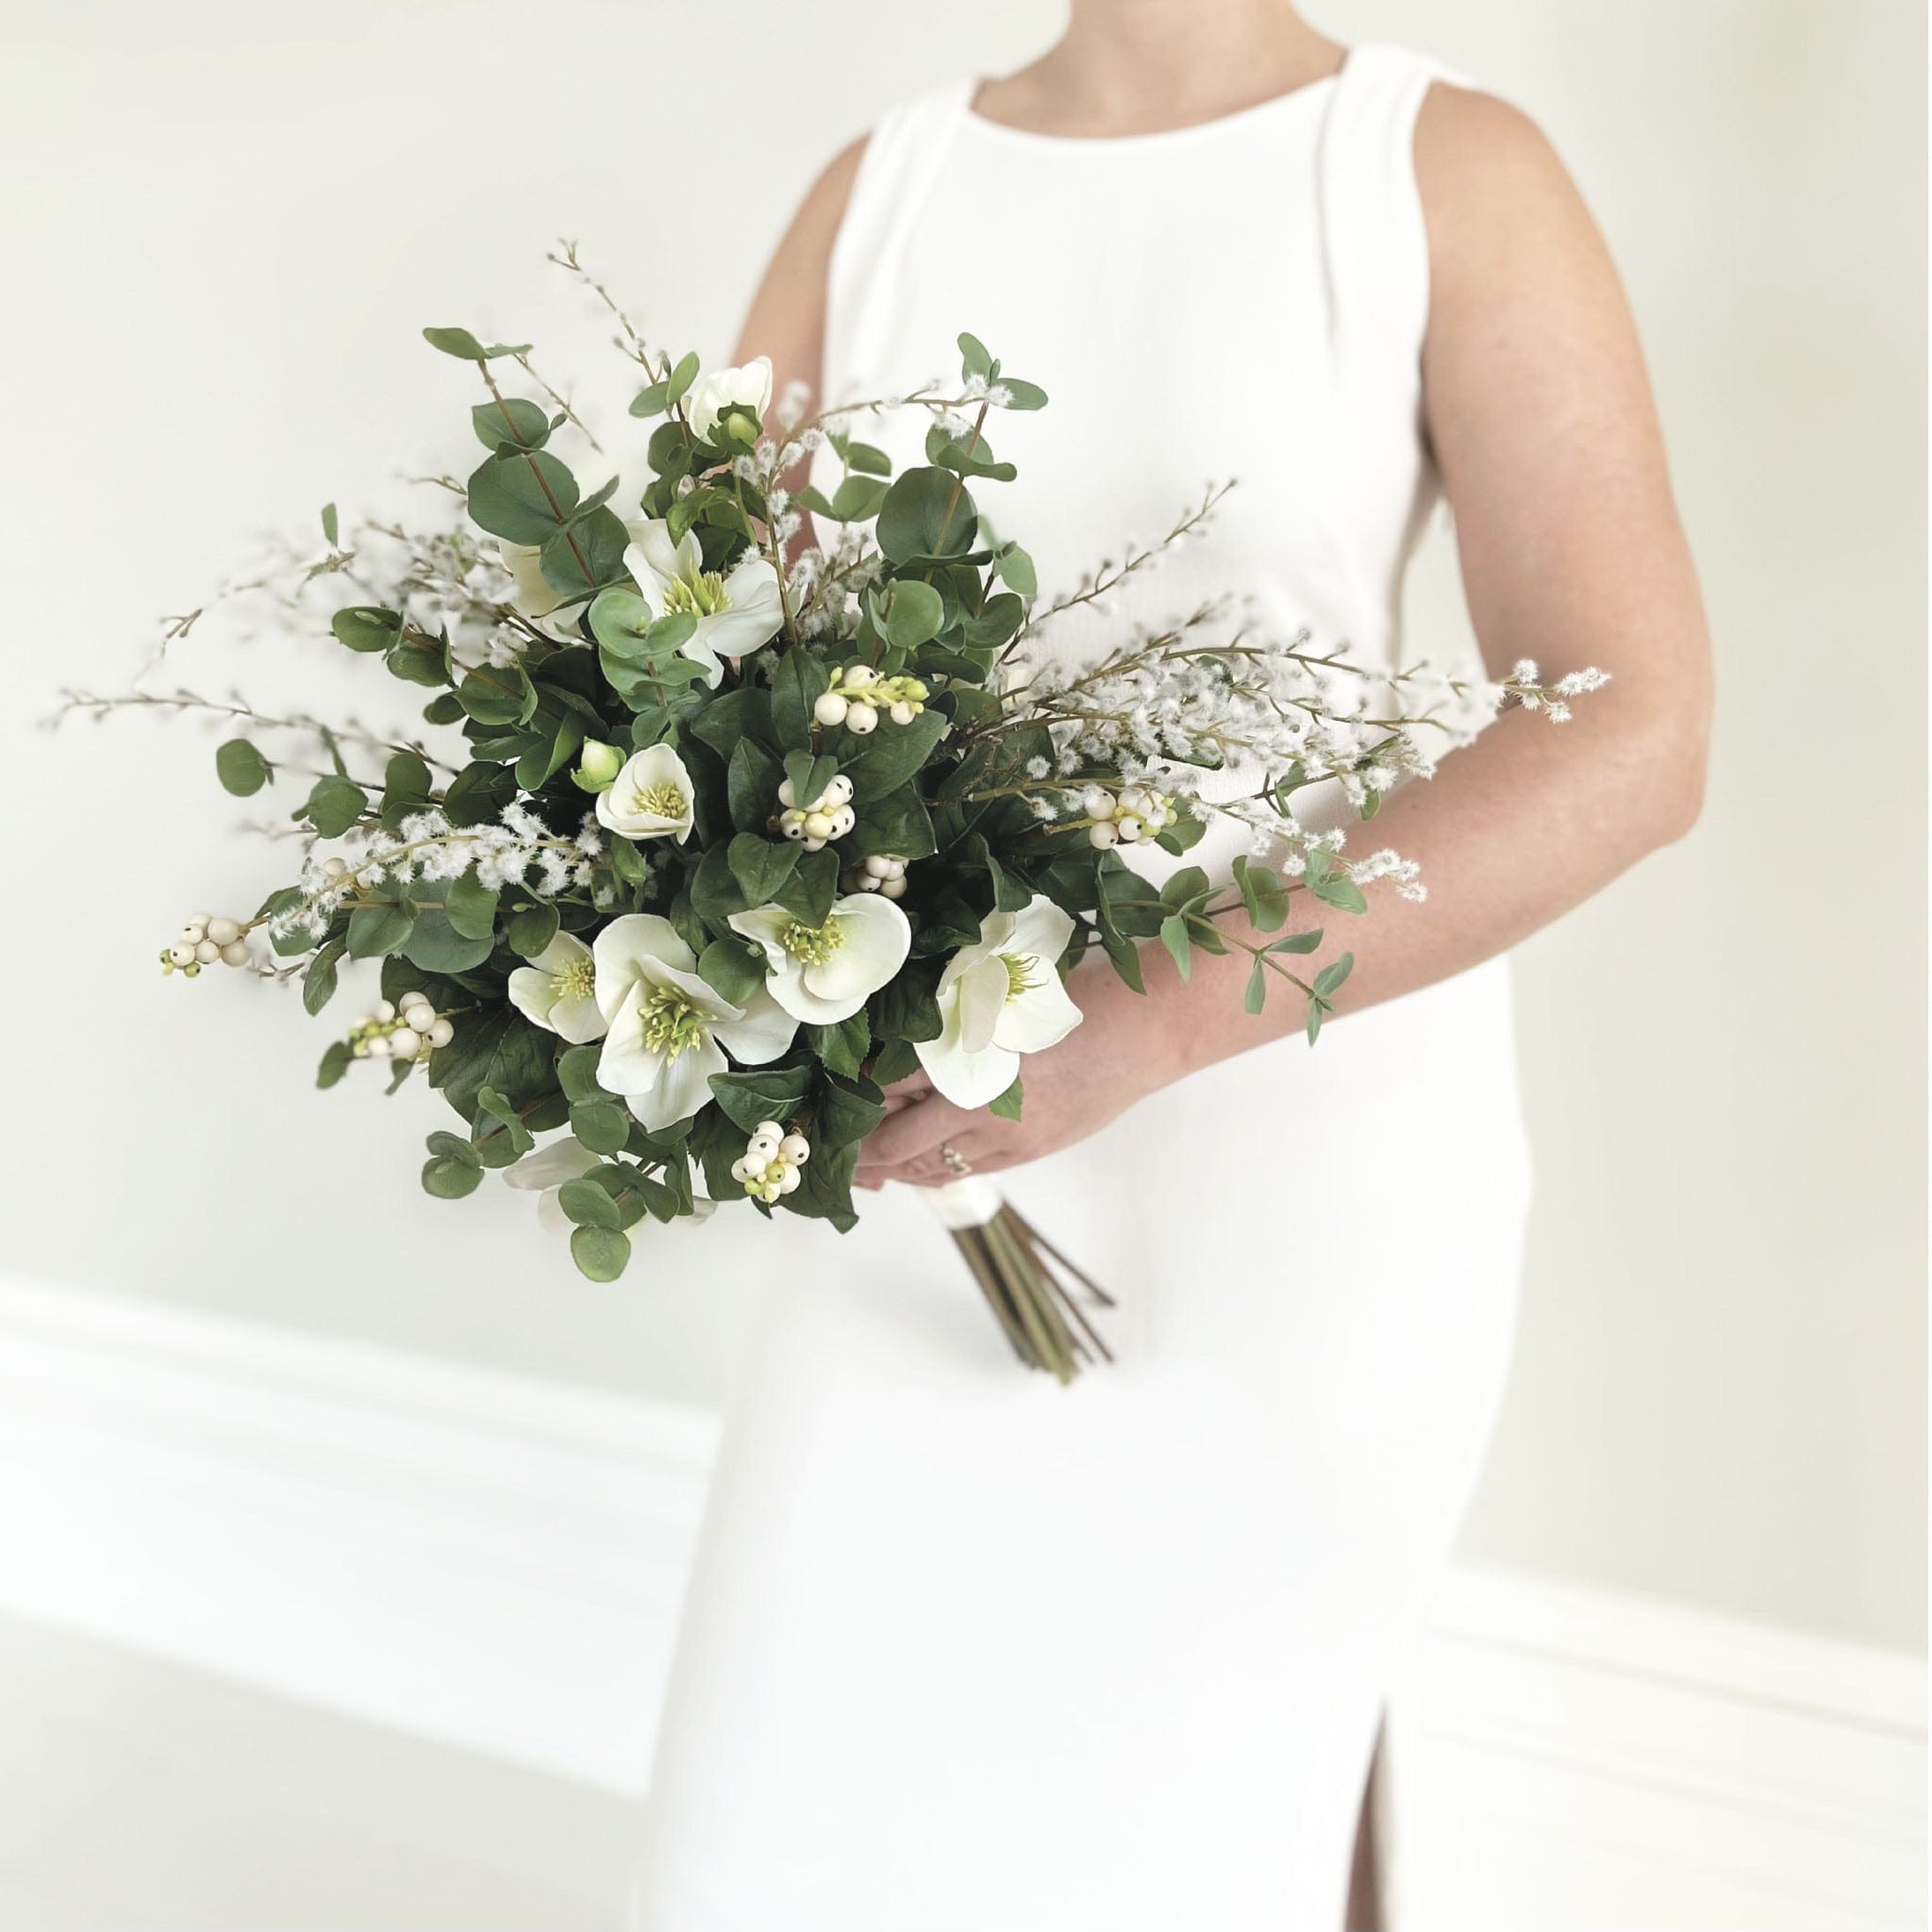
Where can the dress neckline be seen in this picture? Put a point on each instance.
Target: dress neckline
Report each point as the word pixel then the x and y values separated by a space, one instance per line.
pixel 1239 117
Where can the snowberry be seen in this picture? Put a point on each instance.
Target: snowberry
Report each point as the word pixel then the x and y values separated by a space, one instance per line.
pixel 384 1011
pixel 1098 804
pixel 795 1149
pixel 403 1042
pixel 223 931
pixel 235 953
pixel 206 953
pixel 180 956
pixel 831 708
pixel 441 1033
pixel 1101 835
pixel 839 791
pixel 1129 828
pixel 893 888
pixel 818 824
pixel 791 823
pixel 901 712
pixel 879 866
pixel 844 819
pixel 860 719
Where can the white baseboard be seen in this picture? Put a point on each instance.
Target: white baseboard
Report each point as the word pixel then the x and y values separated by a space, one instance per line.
pixel 496 1563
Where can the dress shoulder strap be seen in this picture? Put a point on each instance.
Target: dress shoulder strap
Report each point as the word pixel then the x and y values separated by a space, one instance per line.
pixel 902 158
pixel 1372 216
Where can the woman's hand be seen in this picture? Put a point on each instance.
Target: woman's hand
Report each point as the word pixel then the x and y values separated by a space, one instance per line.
pixel 1118 1053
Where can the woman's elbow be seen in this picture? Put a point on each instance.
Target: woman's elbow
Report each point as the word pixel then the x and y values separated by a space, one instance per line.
pixel 1677 758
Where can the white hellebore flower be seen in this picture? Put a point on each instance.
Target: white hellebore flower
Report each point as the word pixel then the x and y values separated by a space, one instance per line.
pixel 668 1030
pixel 568 1160
pixel 557 991
pixel 531 593
pixel 999 998
pixel 650 798
pixel 736 612
pixel 724 389
pixel 824 973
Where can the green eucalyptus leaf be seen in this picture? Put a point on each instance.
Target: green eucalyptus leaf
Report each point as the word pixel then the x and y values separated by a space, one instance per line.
pixel 366 626
pixel 241 769
pixel 436 946
pixel 470 907
pixel 602 1254
pixel 512 423
pixel 335 804
pixel 532 930
pixel 526 498
pixel 319 979
pixel 915 614
pixel 377 930
pixel 928 512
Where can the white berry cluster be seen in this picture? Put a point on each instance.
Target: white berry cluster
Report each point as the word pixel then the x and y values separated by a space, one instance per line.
pixel 884 872
pixel 203 941
pixel 771 1162
pixel 858 694
pixel 1134 814
pixel 830 816
pixel 388 1034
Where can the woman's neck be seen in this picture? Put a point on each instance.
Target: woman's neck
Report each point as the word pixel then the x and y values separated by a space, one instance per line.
pixel 1141 66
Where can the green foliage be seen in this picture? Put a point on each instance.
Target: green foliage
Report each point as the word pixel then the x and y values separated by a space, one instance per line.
pixel 241 769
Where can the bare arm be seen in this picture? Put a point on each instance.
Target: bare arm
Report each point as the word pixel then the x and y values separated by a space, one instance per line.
pixel 787 321
pixel 1541 414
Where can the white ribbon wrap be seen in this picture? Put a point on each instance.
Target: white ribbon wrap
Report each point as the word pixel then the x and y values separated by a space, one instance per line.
pixel 970 1202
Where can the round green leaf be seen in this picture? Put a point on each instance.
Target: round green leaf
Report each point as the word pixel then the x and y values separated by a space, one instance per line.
pixel 366 626
pixel 241 769
pixel 335 804
pixel 602 1253
pixel 589 1204
pixel 927 512
pixel 526 498
pixel 602 1125
pixel 515 421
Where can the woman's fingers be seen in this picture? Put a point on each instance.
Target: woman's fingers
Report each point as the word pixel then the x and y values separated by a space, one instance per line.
pixel 913 1130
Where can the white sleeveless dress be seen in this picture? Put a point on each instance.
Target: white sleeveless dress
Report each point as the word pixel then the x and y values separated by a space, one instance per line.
pixel 964 1651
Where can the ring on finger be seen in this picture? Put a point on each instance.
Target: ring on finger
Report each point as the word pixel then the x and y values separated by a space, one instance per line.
pixel 956 1163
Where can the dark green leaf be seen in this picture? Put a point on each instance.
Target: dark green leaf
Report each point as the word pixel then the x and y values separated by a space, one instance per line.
pixel 732 969
pixel 335 804
pixel 241 769
pixel 532 930
pixel 842 1046
pixel 761 866
pixel 524 498
pixel 601 1125
pixel 470 907
pixel 513 422
pixel 761 1094
pixel 366 626
pixel 927 512
pixel 377 930
pixel 600 1253
pixel 915 613
pixel 318 980
pixel 437 946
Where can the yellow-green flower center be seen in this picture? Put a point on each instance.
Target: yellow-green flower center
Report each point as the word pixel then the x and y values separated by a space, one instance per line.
pixel 661 800
pixel 812 945
pixel 577 980
pixel 699 594
pixel 1020 966
pixel 672 1021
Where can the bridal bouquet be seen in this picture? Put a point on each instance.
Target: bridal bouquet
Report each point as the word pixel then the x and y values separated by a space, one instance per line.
pixel 722 823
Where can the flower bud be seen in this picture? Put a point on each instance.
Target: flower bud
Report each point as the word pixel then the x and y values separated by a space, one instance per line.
pixel 818 824
pixel 598 765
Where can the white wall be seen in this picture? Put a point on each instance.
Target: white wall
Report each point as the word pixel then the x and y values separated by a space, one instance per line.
pixel 242 213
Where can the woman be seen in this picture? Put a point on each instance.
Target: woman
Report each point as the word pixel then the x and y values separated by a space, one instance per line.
pixel 968 1653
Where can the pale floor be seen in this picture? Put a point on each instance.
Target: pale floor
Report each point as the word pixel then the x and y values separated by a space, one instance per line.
pixel 139 1796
